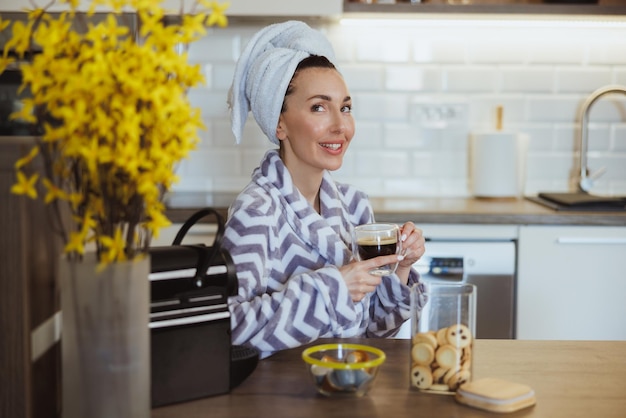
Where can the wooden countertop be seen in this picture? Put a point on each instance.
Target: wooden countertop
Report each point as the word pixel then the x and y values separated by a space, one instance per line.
pixel 570 378
pixel 428 210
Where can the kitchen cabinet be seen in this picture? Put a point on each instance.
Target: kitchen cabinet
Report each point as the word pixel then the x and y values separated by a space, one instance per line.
pixel 273 8
pixel 285 8
pixel 602 7
pixel 236 8
pixel 337 7
pixel 571 283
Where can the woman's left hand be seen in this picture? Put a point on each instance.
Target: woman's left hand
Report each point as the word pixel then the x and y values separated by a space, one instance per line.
pixel 413 245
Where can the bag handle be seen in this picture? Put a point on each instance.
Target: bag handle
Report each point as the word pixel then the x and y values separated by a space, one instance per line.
pixel 205 258
pixel 193 219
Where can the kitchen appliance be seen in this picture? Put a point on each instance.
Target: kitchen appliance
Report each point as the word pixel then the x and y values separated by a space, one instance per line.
pixel 487 263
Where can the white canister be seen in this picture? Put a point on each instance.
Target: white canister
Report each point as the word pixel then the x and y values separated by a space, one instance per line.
pixel 498 164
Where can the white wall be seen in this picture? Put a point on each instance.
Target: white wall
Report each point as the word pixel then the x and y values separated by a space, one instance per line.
pixel 539 74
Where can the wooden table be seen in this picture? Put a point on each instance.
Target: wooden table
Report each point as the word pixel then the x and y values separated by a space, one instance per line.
pixel 570 378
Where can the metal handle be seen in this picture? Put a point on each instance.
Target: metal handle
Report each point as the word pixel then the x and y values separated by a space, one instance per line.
pixel 189 320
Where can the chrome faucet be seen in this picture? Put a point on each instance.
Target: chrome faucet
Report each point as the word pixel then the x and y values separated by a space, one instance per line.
pixel 585 182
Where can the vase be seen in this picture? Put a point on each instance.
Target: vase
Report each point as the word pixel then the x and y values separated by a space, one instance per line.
pixel 105 340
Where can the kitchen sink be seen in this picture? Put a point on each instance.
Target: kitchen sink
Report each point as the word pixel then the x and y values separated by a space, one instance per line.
pixel 580 201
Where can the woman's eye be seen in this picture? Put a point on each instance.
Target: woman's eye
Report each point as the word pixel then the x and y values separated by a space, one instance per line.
pixel 347 109
pixel 317 108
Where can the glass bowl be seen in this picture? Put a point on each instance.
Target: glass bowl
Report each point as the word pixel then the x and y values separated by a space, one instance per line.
pixel 343 369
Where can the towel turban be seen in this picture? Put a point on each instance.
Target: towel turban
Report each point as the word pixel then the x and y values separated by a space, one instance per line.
pixel 264 70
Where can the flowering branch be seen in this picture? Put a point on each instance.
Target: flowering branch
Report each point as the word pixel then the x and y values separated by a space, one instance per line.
pixel 115 115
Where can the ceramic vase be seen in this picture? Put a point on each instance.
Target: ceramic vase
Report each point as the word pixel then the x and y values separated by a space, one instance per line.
pixel 105 340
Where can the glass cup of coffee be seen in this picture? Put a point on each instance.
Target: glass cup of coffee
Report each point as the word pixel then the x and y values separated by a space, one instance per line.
pixel 376 239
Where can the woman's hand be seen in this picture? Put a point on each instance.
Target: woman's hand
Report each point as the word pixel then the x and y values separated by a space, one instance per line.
pixel 358 279
pixel 413 248
pixel 413 244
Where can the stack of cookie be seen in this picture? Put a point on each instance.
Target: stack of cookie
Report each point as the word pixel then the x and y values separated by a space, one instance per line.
pixel 441 360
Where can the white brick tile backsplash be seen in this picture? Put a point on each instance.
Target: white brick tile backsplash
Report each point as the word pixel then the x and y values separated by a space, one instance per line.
pixel 609 108
pixel 412 78
pixel 528 79
pixel 619 76
pixel 348 168
pixel 582 80
pixel 403 135
pixel 422 164
pixel 608 51
pixel 559 51
pixel 194 183
pixel 214 162
pixel 482 112
pixel 377 49
pixel 470 79
pixel 221 133
pixel 496 51
pixel 210 104
pixel 438 51
pixel 364 77
pixel 217 46
pixel 540 136
pixel 565 138
pixel 619 138
pixel 382 164
pixel 368 135
pixel 553 108
pixel 599 137
pixel 540 76
pixel 222 76
pixel 380 106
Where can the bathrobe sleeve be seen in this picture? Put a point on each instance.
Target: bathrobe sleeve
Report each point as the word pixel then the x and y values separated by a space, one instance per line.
pixel 390 305
pixel 287 295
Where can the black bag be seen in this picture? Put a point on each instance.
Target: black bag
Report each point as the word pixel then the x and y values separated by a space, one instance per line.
pixel 191 352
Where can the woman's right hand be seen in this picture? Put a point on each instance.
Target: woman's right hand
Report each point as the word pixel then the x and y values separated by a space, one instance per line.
pixel 358 279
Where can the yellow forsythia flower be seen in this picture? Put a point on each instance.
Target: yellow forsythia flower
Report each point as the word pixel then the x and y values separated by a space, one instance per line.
pixel 115 114
pixel 25 185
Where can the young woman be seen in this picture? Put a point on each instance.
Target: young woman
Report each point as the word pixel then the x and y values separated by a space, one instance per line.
pixel 289 231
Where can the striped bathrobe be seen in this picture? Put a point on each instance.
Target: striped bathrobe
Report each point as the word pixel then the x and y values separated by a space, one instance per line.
pixel 286 255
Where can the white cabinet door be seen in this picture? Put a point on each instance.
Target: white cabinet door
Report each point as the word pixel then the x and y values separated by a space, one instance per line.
pixel 571 283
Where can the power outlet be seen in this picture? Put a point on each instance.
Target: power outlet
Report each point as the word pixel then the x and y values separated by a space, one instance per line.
pixel 438 115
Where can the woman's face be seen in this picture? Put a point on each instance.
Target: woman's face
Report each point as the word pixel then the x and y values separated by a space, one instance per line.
pixel 317 125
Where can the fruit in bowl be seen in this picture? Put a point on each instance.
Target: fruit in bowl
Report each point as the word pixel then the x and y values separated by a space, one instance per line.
pixel 343 368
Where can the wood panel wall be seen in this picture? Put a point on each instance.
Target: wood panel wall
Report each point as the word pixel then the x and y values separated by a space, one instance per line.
pixel 29 296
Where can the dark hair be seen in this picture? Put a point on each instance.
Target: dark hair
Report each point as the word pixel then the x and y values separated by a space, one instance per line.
pixel 312 61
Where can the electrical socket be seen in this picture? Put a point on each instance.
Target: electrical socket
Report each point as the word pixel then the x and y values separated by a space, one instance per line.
pixel 438 114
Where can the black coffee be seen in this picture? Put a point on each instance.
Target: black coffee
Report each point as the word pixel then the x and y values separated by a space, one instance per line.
pixel 370 248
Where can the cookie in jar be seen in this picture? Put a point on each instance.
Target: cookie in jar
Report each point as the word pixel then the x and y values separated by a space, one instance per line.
pixel 442 336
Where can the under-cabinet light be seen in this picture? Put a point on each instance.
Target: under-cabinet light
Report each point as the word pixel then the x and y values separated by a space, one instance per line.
pixel 508 21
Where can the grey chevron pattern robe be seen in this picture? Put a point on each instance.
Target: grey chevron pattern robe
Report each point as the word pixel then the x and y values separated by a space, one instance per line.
pixel 286 255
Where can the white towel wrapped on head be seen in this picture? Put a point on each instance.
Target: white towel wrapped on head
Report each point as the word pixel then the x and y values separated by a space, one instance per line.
pixel 264 70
